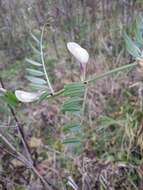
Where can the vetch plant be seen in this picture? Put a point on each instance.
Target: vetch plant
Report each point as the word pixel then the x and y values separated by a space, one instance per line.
pixel 75 94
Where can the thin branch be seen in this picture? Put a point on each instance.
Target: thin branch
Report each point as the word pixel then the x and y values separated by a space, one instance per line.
pixel 21 157
pixel 98 77
pixel 24 160
pixel 116 70
pixel 84 104
pixel 43 62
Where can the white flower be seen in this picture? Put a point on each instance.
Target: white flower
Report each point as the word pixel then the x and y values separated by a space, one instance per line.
pixel 24 96
pixel 78 52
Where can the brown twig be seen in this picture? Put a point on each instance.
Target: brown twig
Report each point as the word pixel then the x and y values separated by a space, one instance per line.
pixel 19 128
pixel 24 160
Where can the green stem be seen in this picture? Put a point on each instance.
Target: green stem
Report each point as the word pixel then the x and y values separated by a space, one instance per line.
pixel 56 93
pixel 111 72
pixel 98 77
pixel 43 63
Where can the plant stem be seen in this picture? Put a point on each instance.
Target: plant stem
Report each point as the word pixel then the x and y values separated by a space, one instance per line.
pixel 56 93
pixel 98 77
pixel 84 104
pixel 21 133
pixel 111 72
pixel 43 63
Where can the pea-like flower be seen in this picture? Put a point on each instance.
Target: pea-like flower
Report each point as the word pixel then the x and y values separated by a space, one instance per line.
pixel 78 52
pixel 27 97
pixel 81 55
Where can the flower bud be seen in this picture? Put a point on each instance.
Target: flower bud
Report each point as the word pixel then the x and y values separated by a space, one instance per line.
pixel 78 52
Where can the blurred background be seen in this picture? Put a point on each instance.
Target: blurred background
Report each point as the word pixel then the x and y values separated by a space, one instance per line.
pixel 95 24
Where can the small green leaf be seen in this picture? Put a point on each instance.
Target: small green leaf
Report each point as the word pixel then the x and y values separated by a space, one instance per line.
pixel 71 141
pixel 131 47
pixel 106 121
pixel 36 80
pixel 35 50
pixel 138 32
pixel 10 98
pixel 43 96
pixel 74 89
pixel 74 86
pixel 72 104
pixel 72 127
pixel 75 93
pixel 70 108
pixel 38 86
pixel 35 38
pixel 35 72
pixel 34 62
pixel 72 101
